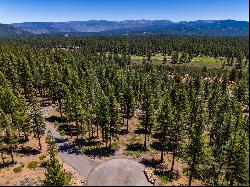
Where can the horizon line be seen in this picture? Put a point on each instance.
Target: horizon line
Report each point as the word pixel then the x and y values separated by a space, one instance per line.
pixel 126 20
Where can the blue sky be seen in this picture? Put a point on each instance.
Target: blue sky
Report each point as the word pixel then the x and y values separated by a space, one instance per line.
pixel 15 11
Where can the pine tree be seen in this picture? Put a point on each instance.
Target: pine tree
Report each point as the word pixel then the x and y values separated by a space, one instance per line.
pixel 236 152
pixel 147 116
pixel 114 116
pixel 180 112
pixel 37 120
pixel 129 103
pixel 55 175
pixel 165 120
pixel 9 138
pixel 103 115
pixel 196 147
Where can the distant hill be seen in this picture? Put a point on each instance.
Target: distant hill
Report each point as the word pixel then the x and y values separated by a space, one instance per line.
pixel 135 27
pixel 209 28
pixel 85 26
pixel 9 30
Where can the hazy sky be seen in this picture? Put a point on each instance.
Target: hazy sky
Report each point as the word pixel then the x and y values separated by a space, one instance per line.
pixel 15 11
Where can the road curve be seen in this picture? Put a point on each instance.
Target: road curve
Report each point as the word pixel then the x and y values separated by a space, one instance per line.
pixel 65 151
pixel 114 172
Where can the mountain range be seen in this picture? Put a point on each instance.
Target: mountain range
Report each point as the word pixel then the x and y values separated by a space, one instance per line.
pixel 129 27
pixel 9 30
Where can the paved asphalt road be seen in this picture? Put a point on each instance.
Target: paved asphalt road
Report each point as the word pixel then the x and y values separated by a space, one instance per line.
pixel 67 153
pixel 118 172
pixel 121 172
pixel 70 156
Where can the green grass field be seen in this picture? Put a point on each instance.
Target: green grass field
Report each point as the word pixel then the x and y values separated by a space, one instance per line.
pixel 210 62
pixel 196 61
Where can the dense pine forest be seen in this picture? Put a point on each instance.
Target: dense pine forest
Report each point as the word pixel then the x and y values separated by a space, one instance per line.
pixel 199 114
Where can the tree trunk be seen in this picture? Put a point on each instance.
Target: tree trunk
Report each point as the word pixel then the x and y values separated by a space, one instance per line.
pixel 173 159
pixel 145 140
pixel 71 134
pixel 103 134
pixel 127 124
pixel 97 131
pixel 19 134
pixel 38 136
pixel 77 129
pixel 110 142
pixel 26 136
pixel 39 141
pixel 162 153
pixel 89 132
pixel 12 156
pixel 2 158
pixel 92 131
pixel 174 154
pixel 106 143
pixel 110 137
pixel 60 107
pixel 192 170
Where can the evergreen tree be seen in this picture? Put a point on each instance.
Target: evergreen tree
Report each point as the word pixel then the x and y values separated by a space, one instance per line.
pixel 114 116
pixel 147 115
pixel 196 151
pixel 165 121
pixel 129 102
pixel 55 175
pixel 37 120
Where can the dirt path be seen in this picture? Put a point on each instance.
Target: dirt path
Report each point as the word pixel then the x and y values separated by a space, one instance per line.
pixel 123 172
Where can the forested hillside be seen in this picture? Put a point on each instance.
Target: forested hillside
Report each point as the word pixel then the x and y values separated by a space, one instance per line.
pixel 153 27
pixel 197 114
pixel 7 30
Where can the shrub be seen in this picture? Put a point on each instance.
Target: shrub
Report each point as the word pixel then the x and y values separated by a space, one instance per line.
pixel 62 132
pixel 18 169
pixel 164 178
pixel 115 145
pixel 133 138
pixel 42 157
pixel 44 163
pixel 33 165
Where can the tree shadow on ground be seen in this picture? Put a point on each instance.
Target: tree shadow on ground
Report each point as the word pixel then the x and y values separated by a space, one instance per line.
pixel 22 140
pixel 81 142
pixel 167 174
pixel 157 146
pixel 56 119
pixel 6 164
pixel 151 162
pixel 135 147
pixel 68 129
pixel 63 126
pixel 123 132
pixel 27 151
pixel 140 131
pixel 99 152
